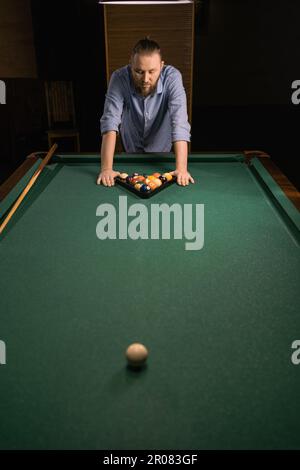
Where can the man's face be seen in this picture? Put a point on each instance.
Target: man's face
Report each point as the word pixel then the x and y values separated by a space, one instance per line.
pixel 145 72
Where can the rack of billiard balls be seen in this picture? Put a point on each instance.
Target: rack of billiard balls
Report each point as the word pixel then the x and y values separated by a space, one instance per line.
pixel 145 185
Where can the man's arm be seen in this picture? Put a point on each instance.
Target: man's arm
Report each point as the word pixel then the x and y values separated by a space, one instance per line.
pixel 107 174
pixel 180 128
pixel 110 122
pixel 181 156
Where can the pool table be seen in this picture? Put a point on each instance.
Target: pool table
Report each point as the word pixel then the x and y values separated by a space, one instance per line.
pixel 220 320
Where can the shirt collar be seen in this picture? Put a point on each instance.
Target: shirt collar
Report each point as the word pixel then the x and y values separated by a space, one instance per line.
pixel 159 87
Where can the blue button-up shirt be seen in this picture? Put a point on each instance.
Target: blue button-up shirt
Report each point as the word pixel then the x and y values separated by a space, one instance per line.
pixel 146 124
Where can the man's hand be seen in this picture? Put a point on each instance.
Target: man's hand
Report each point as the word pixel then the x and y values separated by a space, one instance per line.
pixel 107 177
pixel 183 177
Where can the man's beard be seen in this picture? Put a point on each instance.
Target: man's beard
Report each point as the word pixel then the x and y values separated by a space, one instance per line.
pixel 144 91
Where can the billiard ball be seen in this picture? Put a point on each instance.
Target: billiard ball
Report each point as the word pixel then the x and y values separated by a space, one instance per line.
pixel 140 178
pixel 134 174
pixel 163 179
pixel 136 354
pixel 137 186
pixel 157 175
pixel 123 176
pixel 128 179
pixel 157 182
pixel 134 179
pixel 144 188
pixel 168 176
pixel 152 185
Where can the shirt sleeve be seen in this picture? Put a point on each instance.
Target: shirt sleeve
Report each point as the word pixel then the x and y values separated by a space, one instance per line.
pixel 180 127
pixel 113 106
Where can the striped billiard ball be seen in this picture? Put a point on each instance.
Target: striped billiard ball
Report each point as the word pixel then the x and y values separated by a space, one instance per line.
pixel 168 176
pixel 163 179
pixel 140 178
pixel 152 185
pixel 145 188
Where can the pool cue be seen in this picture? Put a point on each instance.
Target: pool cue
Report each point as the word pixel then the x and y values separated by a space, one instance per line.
pixel 28 187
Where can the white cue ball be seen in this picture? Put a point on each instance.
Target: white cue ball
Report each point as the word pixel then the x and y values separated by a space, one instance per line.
pixel 136 354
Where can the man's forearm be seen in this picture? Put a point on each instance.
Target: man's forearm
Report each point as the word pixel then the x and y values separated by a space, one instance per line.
pixel 108 149
pixel 181 154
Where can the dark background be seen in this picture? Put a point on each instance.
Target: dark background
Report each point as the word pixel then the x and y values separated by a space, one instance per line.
pixel 246 58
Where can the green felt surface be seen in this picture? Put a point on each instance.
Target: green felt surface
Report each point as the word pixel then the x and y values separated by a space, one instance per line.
pixel 218 322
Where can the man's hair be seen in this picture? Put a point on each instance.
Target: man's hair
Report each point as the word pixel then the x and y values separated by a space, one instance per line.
pixel 146 46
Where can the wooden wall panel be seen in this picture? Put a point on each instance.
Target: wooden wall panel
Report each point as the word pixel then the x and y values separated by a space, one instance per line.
pixel 172 26
pixel 17 53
